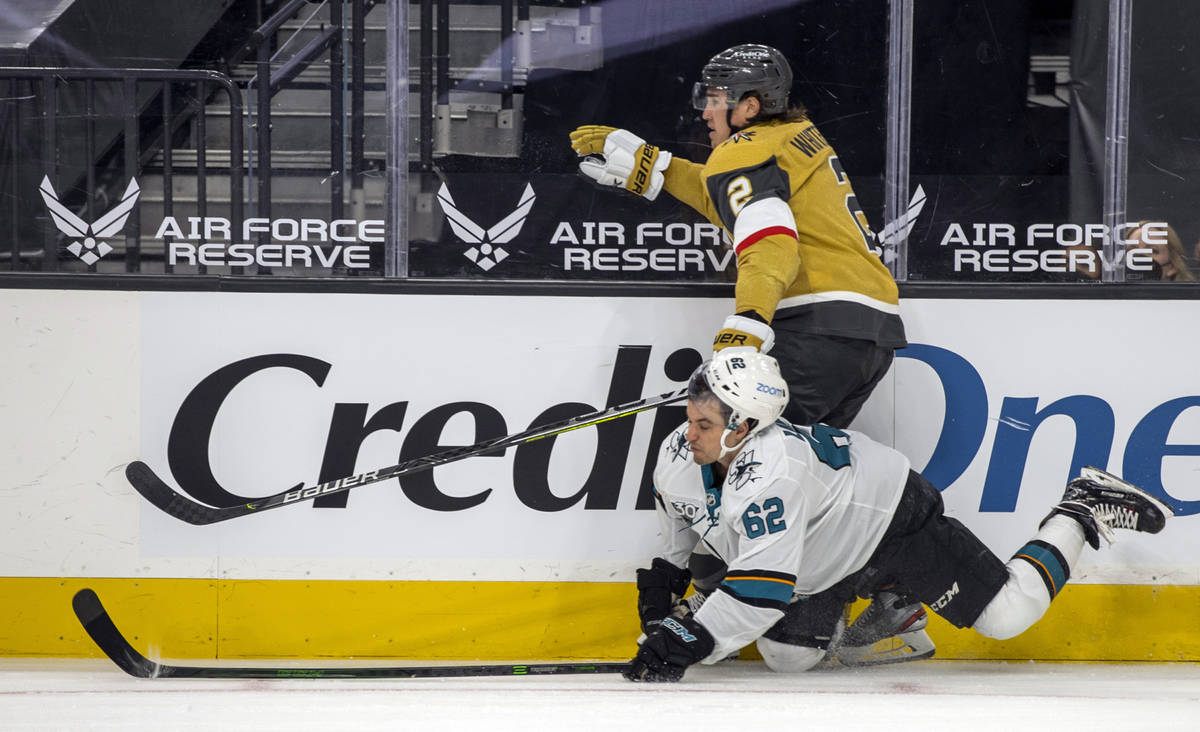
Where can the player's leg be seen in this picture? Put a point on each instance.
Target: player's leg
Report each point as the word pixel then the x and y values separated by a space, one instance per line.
pixel 873 364
pixel 1092 506
pixel 829 378
pixel 890 630
pixel 803 636
pixel 946 566
pixel 934 558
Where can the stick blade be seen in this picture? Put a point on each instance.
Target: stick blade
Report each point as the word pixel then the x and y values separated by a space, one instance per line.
pixel 158 493
pixel 104 633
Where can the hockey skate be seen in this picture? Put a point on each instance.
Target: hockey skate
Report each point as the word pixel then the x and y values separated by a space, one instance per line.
pixel 890 630
pixel 1102 502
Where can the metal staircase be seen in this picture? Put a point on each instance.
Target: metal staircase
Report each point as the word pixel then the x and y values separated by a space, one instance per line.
pixel 311 82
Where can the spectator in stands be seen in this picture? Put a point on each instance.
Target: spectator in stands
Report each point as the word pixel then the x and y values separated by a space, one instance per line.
pixel 1170 263
pixel 1169 260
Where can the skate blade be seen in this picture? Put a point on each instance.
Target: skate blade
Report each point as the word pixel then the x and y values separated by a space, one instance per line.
pixel 914 645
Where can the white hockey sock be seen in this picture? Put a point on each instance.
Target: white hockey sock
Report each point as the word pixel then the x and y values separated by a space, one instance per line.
pixel 1036 573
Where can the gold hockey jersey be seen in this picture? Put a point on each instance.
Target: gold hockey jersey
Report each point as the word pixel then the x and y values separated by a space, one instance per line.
pixel 804 247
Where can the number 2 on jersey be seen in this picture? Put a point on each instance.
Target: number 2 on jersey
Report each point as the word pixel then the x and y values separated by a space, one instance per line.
pixel 852 207
pixel 739 192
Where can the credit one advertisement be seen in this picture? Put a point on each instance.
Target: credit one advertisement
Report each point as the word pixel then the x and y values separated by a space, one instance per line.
pixel 246 395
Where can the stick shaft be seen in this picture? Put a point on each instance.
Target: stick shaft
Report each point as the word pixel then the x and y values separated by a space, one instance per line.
pixel 156 491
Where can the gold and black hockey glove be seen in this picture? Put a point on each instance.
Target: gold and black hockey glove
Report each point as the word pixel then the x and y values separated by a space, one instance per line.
pixel 619 158
pixel 745 331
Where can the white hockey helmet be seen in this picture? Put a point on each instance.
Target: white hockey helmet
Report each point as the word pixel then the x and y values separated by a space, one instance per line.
pixel 748 383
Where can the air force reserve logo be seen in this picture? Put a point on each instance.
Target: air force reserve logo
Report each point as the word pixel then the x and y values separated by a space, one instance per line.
pixel 487 253
pixel 88 239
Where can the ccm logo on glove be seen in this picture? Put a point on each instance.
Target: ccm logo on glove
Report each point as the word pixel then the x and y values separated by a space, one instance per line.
pixel 677 628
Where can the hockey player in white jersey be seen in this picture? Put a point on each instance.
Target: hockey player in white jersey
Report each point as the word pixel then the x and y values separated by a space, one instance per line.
pixel 808 516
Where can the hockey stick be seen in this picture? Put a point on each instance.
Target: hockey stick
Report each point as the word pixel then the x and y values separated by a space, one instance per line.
pixel 104 632
pixel 157 492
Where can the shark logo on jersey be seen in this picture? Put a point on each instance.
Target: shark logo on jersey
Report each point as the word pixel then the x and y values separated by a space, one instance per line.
pixel 89 244
pixel 488 254
pixel 678 448
pixel 742 472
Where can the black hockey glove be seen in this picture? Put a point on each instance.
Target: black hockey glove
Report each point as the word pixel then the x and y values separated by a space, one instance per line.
pixel 657 589
pixel 668 651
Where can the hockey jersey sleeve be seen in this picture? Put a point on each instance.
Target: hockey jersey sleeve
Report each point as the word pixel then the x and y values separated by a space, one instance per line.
pixel 677 518
pixel 750 192
pixel 682 179
pixel 677 537
pixel 761 577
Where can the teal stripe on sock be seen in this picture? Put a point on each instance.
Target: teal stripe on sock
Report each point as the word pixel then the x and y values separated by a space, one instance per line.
pixel 1048 564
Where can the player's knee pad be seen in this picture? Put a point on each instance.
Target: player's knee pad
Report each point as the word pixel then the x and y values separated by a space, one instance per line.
pixel 788 659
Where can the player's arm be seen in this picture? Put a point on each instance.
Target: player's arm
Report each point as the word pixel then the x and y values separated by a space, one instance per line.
pixel 753 596
pixel 761 580
pixel 664 582
pixel 683 181
pixel 752 202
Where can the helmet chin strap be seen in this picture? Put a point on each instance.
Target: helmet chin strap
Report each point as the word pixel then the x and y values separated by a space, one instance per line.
pixel 733 129
pixel 725 450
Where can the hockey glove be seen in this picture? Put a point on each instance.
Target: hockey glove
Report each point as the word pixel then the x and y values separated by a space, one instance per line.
pixel 667 652
pixel 657 589
pixel 627 161
pixel 745 332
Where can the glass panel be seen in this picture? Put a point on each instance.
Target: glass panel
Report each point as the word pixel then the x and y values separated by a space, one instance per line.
pixel 1164 145
pixel 158 123
pixel 483 152
pixel 1008 111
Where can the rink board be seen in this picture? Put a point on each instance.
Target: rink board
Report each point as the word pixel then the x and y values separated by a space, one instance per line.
pixel 512 621
pixel 529 554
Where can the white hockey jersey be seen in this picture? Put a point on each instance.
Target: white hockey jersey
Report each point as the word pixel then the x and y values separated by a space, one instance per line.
pixel 801 508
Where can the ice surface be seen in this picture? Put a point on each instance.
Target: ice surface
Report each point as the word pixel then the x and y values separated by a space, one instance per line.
pixel 92 694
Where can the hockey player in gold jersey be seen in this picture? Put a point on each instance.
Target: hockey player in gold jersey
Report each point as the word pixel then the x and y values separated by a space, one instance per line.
pixel 810 288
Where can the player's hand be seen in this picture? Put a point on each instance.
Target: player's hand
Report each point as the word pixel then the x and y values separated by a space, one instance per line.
pixel 745 333
pixel 657 588
pixel 667 652
pixel 625 160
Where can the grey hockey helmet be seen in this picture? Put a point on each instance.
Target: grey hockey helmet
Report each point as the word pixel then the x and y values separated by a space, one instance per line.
pixel 748 383
pixel 745 68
